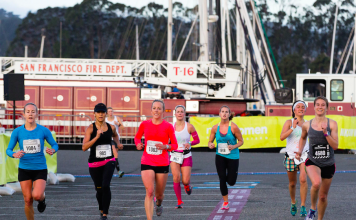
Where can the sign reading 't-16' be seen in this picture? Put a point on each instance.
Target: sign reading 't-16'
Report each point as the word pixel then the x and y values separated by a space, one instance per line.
pixel 182 72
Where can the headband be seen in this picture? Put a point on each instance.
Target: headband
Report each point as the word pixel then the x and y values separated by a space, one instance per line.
pixel 295 104
pixel 180 106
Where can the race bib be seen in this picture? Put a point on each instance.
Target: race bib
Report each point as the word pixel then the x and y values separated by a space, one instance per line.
pixel 302 158
pixel 223 149
pixel 152 149
pixel 32 146
pixel 321 151
pixel 177 157
pixel 103 151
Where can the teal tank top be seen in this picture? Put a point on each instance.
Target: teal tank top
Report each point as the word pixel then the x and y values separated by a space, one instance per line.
pixel 228 138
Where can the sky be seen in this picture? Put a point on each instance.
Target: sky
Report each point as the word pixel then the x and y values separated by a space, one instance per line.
pixel 22 7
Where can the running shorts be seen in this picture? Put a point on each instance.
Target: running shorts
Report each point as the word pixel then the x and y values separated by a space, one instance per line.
pixel 32 175
pixel 326 172
pixel 156 169
pixel 290 165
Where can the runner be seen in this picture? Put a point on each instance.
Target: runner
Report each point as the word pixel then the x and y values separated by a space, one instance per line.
pixel 227 151
pixel 181 159
pixel 323 140
pixel 292 130
pixel 155 161
pixel 101 161
pixel 113 120
pixel 32 167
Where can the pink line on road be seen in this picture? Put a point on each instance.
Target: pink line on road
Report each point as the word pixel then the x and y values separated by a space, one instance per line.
pixel 237 200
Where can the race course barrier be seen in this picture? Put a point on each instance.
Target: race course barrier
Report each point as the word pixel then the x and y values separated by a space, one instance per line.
pixel 264 132
pixel 9 166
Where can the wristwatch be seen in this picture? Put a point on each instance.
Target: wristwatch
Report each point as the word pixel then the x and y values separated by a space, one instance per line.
pixel 327 134
pixel 292 128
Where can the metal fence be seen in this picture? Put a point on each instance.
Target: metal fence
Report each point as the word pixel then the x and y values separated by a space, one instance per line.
pixel 70 129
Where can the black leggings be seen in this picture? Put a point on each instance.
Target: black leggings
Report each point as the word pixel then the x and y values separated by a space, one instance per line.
pixel 102 178
pixel 231 166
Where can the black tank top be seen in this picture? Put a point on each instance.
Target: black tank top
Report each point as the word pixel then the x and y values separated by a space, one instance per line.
pixel 104 139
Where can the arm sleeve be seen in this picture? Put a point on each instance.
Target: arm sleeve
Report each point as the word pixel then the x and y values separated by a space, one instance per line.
pixel 172 137
pixel 12 143
pixel 196 139
pixel 139 133
pixel 50 139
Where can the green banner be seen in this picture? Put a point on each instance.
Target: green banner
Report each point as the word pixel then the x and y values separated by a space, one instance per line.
pixel 264 132
pixel 9 166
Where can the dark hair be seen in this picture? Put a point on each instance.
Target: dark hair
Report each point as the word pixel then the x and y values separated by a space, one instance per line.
pixel 293 115
pixel 322 98
pixel 232 114
pixel 30 103
pixel 158 100
pixel 180 106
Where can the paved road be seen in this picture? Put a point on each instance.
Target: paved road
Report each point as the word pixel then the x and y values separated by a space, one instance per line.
pixel 269 198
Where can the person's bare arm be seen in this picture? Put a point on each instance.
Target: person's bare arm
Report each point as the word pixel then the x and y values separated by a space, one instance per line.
pixel 87 143
pixel 302 140
pixel 211 144
pixel 332 139
pixel 286 130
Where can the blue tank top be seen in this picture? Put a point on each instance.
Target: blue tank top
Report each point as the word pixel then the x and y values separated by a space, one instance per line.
pixel 228 138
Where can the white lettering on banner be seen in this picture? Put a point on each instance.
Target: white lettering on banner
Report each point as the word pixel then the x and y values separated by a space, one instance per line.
pixel 253 130
pixel 348 132
pixel 76 68
pixel 182 72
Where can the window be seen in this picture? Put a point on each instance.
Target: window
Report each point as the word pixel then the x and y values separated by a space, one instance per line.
pixel 313 88
pixel 337 90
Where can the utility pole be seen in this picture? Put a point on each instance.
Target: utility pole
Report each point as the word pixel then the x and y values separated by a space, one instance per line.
pixel 169 35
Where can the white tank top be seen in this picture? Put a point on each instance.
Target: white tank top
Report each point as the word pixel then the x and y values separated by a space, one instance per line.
pixel 113 123
pixel 293 141
pixel 183 137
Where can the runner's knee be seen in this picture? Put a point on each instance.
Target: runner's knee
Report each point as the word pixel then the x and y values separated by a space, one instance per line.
pixel 176 179
pixel 323 197
pixel 37 196
pixel 149 192
pixel 316 184
pixel 28 201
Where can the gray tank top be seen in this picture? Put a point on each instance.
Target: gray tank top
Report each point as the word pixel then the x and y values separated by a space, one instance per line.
pixel 320 152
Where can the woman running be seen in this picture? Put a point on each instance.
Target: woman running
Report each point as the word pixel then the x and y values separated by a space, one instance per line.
pixel 227 151
pixel 101 161
pixel 181 159
pixel 292 130
pixel 33 167
pixel 155 161
pixel 113 120
pixel 323 140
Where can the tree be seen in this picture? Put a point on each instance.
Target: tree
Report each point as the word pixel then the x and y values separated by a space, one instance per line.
pixel 320 64
pixel 289 66
pixel 8 25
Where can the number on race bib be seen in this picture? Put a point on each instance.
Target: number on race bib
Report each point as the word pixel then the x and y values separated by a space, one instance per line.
pixel 177 157
pixel 103 151
pixel 32 146
pixel 223 148
pixel 321 151
pixel 152 149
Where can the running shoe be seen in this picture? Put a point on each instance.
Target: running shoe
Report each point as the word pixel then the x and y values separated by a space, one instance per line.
pixel 188 189
pixel 104 218
pixel 293 209
pixel 121 174
pixel 225 206
pixel 41 205
pixel 179 205
pixel 159 210
pixel 310 215
pixel 303 211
